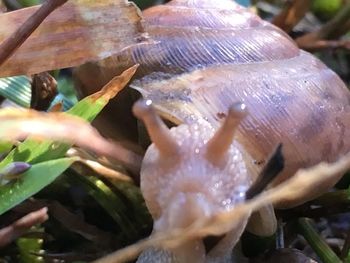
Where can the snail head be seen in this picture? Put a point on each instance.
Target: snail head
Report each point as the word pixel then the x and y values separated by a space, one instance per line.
pixel 191 171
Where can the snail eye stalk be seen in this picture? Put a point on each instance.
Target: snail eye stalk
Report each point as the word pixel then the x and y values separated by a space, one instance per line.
pixel 157 130
pixel 221 141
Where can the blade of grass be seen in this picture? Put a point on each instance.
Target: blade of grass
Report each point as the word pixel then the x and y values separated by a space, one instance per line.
pixel 16 89
pixel 31 182
pixel 33 152
pixel 27 246
pixel 108 200
pixel 137 203
pixel 323 251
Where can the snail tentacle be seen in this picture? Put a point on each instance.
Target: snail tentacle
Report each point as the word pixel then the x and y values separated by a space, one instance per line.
pixel 221 141
pixel 157 130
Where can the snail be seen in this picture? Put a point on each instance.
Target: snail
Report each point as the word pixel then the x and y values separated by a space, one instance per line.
pixel 206 56
pixel 192 172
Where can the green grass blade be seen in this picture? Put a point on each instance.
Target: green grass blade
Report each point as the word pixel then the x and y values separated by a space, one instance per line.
pixel 17 89
pixel 44 156
pixel 34 152
pixel 31 182
pixel 318 244
pixel 29 245
pixel 113 205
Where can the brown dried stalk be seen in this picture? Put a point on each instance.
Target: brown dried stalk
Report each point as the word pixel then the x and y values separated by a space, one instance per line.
pixel 18 124
pixel 292 14
pixel 329 31
pixel 9 46
pixel 317 45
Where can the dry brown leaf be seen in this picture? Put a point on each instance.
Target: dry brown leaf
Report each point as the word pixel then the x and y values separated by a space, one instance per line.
pixel 115 85
pixel 104 170
pixel 18 124
pixel 99 164
pixel 44 90
pixel 77 32
pixel 300 184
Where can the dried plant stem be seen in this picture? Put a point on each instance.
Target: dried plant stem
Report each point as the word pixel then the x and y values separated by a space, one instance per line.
pixel 321 248
pixel 313 46
pixel 329 30
pixel 9 46
pixel 292 14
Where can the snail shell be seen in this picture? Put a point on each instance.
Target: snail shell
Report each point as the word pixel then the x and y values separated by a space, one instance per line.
pixel 209 54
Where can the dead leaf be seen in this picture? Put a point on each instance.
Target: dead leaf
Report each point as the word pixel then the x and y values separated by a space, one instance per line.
pixel 114 86
pixel 44 90
pixel 77 32
pixel 18 124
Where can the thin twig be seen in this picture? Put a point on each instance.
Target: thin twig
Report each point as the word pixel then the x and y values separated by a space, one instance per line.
pixel 343 17
pixel 11 44
pixel 292 14
pixel 329 30
pixel 324 44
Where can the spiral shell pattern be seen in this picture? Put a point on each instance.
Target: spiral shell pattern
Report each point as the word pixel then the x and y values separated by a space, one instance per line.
pixel 208 54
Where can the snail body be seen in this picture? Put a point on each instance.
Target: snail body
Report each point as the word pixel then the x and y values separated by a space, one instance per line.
pixel 206 56
pixel 190 172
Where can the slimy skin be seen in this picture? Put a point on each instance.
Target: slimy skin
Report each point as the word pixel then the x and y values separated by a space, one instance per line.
pixel 191 172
